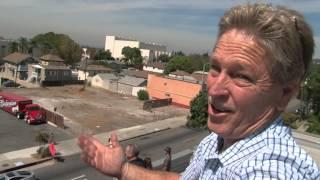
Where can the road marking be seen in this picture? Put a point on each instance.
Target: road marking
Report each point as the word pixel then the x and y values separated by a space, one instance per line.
pixel 79 177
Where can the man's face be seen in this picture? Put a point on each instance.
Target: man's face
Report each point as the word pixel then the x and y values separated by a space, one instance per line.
pixel 242 96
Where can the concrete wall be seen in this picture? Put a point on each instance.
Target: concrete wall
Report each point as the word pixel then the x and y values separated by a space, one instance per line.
pixel 181 92
pixel 135 90
pixel 151 69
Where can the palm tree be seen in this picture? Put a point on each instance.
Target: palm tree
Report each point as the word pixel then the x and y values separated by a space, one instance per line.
pixel 23 45
pixel 13 46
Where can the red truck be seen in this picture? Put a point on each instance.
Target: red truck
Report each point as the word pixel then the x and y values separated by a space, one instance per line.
pixel 22 108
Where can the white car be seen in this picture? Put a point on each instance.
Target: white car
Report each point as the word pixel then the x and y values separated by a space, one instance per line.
pixel 18 175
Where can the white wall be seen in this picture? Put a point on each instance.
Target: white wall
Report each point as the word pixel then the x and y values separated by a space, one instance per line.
pixel 151 69
pixel 135 90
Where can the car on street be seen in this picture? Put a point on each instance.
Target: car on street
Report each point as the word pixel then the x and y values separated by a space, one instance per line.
pixel 18 175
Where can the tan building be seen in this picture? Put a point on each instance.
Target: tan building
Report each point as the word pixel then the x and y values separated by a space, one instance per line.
pixel 181 92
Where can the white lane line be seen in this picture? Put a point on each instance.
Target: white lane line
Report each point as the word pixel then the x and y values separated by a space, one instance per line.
pixel 79 177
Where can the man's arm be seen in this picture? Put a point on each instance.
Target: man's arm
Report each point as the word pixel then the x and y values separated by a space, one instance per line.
pixel 110 160
pixel 133 172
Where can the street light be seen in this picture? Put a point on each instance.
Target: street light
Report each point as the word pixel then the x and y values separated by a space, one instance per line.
pixel 85 57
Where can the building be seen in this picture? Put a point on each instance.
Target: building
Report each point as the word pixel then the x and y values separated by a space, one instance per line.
pixel 51 69
pixel 181 92
pixel 90 70
pixel 106 81
pixel 129 85
pixel 157 67
pixel 149 51
pixel 16 65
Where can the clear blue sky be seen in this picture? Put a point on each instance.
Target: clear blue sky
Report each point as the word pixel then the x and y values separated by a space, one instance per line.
pixel 187 25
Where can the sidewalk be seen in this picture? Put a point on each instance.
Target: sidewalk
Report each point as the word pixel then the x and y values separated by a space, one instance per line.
pixel 69 147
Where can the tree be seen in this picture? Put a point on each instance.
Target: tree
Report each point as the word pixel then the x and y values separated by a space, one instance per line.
pixel 61 44
pixel 102 54
pixel 23 45
pixel 13 46
pixel 143 95
pixel 132 55
pixel 163 58
pixel 198 110
pixel 179 63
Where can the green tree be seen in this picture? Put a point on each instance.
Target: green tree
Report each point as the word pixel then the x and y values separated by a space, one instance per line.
pixel 23 45
pixel 61 44
pixel 198 110
pixel 163 58
pixel 102 54
pixel 183 63
pixel 132 55
pixel 13 46
pixel 143 95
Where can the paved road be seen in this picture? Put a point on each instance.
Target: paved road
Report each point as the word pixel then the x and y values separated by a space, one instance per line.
pixel 16 134
pixel 181 140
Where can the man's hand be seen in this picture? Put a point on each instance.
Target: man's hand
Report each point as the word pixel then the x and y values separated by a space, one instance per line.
pixel 108 159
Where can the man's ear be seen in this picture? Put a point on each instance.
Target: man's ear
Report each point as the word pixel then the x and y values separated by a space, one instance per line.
pixel 287 92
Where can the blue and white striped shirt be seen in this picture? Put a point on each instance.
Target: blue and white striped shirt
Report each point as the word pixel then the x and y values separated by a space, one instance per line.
pixel 270 153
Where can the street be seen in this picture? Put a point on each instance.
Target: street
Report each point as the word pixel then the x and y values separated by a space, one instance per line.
pixel 16 134
pixel 181 140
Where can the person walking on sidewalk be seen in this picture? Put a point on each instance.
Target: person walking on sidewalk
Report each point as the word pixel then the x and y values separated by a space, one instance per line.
pixel 261 56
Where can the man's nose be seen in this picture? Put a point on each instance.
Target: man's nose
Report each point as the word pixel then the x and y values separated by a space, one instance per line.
pixel 218 86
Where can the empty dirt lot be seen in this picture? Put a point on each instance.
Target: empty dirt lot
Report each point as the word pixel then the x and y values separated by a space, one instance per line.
pixel 96 110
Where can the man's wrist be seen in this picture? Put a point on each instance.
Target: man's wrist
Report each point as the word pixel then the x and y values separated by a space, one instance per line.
pixel 124 170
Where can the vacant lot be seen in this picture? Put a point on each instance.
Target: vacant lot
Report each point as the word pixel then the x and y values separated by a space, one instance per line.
pixel 96 110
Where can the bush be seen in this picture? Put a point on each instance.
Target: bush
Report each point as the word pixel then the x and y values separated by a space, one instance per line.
pixel 314 125
pixel 42 137
pixel 198 111
pixel 143 95
pixel 43 151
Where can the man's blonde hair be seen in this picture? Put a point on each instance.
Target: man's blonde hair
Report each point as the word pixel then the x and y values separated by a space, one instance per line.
pixel 285 35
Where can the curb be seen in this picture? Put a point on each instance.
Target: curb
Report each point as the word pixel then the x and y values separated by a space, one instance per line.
pixel 26 165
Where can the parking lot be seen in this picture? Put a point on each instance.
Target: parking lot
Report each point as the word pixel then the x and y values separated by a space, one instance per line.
pixel 96 110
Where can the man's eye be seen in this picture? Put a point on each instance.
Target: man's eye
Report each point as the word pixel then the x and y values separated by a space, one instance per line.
pixel 244 77
pixel 214 70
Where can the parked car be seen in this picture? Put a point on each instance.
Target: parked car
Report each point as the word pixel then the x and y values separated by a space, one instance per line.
pixel 18 175
pixel 10 83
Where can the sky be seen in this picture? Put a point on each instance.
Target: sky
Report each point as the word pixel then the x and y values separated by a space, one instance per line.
pixel 186 25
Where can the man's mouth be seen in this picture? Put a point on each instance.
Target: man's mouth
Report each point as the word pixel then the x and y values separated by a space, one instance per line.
pixel 219 109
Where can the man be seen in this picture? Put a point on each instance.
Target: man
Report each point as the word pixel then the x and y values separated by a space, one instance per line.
pixel 132 155
pixel 260 58
pixel 166 166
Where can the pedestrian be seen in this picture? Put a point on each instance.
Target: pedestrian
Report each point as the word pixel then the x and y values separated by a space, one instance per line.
pixel 261 56
pixel 166 165
pixel 148 163
pixel 132 155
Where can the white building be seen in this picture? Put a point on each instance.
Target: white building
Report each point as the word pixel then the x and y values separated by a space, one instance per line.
pixel 149 51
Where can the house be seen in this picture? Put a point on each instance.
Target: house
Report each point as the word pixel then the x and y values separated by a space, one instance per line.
pixel 157 67
pixel 181 92
pixel 131 85
pixel 51 69
pixel 16 65
pixel 185 76
pixel 90 70
pixel 106 81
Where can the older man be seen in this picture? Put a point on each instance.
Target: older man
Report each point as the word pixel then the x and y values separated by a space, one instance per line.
pixel 261 56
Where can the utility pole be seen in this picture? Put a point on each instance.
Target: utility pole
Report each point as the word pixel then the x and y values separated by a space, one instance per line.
pixel 85 57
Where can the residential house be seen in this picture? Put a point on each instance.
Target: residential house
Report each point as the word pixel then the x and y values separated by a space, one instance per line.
pixel 16 65
pixel 181 92
pixel 90 70
pixel 106 81
pixel 131 85
pixel 51 69
pixel 157 67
